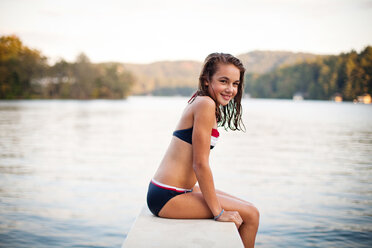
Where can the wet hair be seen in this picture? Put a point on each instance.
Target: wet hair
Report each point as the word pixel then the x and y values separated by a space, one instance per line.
pixel 229 116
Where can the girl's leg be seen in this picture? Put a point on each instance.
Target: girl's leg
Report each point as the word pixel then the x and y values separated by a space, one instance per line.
pixel 219 192
pixel 193 206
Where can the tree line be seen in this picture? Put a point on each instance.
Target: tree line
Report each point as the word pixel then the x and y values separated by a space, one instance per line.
pixel 348 75
pixel 25 74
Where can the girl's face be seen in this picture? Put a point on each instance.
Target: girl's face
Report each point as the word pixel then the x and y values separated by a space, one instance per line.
pixel 224 83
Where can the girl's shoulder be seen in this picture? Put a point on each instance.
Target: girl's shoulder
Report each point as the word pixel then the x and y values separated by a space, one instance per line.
pixel 205 107
pixel 204 102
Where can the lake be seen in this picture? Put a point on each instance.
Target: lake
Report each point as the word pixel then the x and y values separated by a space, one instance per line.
pixel 75 173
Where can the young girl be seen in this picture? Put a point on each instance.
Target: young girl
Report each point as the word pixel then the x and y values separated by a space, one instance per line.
pixel 172 192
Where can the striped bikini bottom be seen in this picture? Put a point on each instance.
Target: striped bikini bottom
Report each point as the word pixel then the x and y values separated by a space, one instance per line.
pixel 159 194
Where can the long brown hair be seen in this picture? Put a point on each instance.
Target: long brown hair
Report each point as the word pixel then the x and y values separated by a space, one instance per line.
pixel 229 116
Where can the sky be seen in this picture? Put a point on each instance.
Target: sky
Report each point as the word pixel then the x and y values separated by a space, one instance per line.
pixel 145 31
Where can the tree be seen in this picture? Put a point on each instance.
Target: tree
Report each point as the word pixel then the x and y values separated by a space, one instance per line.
pixel 18 66
pixel 348 73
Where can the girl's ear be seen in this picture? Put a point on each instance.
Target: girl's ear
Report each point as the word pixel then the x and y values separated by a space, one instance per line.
pixel 206 83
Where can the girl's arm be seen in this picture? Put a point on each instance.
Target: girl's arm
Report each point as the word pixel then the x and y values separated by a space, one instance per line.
pixel 204 120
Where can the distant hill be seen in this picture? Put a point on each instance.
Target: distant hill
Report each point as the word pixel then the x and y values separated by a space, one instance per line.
pixel 266 61
pixel 164 74
pixel 172 74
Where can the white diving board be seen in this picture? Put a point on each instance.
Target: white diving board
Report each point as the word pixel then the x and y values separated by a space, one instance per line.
pixel 151 231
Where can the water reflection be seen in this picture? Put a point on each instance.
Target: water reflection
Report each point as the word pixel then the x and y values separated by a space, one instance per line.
pixel 73 170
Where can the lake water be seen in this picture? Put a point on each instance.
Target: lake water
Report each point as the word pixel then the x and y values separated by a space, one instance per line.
pixel 75 173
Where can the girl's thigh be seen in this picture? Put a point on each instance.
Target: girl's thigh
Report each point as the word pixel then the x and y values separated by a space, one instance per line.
pixel 186 206
pixel 193 206
pixel 220 192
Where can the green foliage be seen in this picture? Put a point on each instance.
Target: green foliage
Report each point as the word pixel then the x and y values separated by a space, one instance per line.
pixel 348 74
pixel 112 82
pixel 25 74
pixel 18 65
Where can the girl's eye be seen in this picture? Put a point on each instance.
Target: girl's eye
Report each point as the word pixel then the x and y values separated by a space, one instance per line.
pixel 236 84
pixel 223 81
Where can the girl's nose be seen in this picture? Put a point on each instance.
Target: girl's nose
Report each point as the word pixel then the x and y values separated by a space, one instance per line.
pixel 229 88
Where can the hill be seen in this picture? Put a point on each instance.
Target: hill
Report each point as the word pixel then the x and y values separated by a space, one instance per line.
pixel 265 61
pixel 155 77
pixel 164 74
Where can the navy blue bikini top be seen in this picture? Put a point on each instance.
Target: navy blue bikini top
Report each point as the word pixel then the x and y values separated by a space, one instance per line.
pixel 186 135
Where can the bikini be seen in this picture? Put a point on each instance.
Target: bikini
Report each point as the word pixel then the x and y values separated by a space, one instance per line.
pixel 158 193
pixel 186 135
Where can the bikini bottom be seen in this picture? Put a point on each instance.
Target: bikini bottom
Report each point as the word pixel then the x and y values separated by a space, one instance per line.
pixel 159 194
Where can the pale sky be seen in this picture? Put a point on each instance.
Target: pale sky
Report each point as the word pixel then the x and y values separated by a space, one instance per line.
pixel 144 31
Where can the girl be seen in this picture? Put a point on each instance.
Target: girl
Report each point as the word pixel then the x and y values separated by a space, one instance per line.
pixel 172 192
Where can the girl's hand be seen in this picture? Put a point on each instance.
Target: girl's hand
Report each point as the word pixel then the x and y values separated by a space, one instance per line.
pixel 231 216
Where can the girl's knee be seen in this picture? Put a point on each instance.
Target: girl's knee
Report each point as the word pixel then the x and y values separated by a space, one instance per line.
pixel 251 215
